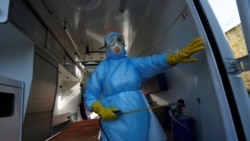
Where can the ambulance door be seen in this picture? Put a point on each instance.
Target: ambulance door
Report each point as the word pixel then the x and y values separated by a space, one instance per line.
pixel 228 48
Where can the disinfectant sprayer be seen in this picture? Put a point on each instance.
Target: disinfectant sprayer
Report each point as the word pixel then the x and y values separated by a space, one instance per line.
pixel 182 125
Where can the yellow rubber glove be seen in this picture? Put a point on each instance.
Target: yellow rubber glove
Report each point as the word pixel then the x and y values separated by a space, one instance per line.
pixel 103 112
pixel 184 56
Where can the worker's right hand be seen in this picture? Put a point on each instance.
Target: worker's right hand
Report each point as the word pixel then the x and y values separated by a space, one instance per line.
pixel 103 112
pixel 184 56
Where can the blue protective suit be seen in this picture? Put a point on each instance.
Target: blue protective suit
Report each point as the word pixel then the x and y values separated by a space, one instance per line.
pixel 118 81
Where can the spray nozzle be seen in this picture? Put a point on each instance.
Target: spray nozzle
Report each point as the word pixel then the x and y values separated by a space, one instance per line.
pixel 177 108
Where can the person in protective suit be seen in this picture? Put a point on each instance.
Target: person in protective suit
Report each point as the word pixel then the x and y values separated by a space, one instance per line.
pixel 118 79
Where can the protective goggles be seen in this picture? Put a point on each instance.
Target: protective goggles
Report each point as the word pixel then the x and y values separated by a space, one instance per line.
pixel 111 40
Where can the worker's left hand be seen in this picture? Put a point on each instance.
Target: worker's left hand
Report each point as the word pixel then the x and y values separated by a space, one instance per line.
pixel 184 56
pixel 104 112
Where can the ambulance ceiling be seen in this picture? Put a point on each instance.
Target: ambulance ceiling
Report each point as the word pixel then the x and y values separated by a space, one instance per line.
pixel 87 21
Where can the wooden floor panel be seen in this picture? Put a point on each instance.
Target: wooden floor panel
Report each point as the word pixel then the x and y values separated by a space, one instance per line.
pixel 86 130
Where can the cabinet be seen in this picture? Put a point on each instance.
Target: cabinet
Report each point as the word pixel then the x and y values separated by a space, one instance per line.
pixel 11 106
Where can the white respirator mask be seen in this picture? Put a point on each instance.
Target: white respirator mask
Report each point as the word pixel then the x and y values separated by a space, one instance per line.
pixel 114 44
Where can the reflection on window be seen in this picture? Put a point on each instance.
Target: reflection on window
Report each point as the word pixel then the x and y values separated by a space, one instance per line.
pixel 237 43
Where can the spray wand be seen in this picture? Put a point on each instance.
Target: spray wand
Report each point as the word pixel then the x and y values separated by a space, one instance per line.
pixel 180 104
pixel 119 113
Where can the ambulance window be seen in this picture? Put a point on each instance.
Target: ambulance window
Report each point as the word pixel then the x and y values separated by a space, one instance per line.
pixel 229 20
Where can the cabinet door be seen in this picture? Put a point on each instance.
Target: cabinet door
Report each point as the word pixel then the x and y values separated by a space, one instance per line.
pixel 11 99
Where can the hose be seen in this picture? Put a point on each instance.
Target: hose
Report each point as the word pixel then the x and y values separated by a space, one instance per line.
pixel 103 130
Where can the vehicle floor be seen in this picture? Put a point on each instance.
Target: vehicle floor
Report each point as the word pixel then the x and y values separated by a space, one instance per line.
pixel 85 130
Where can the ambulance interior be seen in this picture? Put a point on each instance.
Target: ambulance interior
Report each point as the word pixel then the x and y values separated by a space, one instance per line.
pixel 61 40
